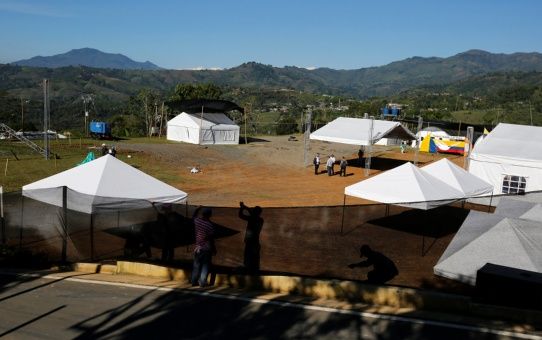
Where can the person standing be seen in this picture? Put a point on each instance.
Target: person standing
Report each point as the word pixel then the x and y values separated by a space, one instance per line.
pixel 104 149
pixel 343 165
pixel 205 246
pixel 316 162
pixel 329 165
pixel 360 158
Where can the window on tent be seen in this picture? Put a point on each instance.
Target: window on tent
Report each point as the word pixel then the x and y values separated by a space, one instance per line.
pixel 512 184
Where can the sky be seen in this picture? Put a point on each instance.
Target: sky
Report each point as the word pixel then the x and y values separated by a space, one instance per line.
pixel 339 34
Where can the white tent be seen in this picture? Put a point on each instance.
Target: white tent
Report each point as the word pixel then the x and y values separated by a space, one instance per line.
pixel 405 185
pixel 103 184
pixel 458 178
pixel 491 238
pixel 355 131
pixel 509 158
pixel 206 128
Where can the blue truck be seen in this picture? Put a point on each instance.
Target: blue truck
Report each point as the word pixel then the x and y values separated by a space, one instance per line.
pixel 100 130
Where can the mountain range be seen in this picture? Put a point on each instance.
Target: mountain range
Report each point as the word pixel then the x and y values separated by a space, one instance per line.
pixel 113 76
pixel 87 57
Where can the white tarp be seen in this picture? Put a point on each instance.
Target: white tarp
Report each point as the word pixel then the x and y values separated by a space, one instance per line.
pixel 405 185
pixel 492 238
pixel 206 128
pixel 104 184
pixel 509 150
pixel 458 178
pixel 355 131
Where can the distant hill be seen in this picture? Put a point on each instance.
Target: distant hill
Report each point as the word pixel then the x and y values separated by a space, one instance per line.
pixel 383 81
pixel 87 57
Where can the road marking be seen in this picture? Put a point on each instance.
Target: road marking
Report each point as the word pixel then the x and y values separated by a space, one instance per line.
pixel 299 306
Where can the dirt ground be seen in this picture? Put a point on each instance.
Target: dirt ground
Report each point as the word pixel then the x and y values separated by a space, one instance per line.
pixel 268 171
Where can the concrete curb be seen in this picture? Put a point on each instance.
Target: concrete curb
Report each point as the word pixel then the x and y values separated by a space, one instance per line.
pixel 396 297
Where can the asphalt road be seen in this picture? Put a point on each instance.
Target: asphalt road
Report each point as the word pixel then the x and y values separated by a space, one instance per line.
pixel 40 308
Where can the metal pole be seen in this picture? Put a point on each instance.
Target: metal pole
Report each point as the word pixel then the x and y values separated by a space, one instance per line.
pixel 468 147
pixel 417 149
pixel 306 136
pixel 342 220
pixel 369 148
pixel 2 215
pixel 91 237
pixel 64 222
pixel 46 117
pixel 245 116
pixel 22 220
pixel 201 126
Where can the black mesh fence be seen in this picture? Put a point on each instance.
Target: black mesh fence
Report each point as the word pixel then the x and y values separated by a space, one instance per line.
pixel 308 241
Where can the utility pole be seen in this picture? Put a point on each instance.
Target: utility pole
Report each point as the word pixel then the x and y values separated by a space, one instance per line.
pixel 417 149
pixel 245 116
pixel 46 117
pixel 86 99
pixel 23 101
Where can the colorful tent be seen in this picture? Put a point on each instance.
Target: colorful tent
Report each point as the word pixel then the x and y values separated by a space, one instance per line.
pixel 428 144
pixel 90 157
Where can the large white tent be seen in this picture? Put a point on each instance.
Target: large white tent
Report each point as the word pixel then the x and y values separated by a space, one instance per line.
pixel 356 131
pixel 509 158
pixel 405 185
pixel 492 238
pixel 104 184
pixel 206 128
pixel 458 178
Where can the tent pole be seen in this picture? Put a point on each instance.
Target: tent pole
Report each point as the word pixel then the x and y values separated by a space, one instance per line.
pixel 490 200
pixel 91 237
pixel 22 219
pixel 65 222
pixel 2 215
pixel 342 219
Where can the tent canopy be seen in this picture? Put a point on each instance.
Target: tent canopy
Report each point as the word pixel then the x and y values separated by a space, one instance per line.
pixel 509 152
pixel 104 184
pixel 512 142
pixel 458 178
pixel 405 185
pixel 355 131
pixel 491 238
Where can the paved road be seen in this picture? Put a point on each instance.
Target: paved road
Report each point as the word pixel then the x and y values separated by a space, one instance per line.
pixel 41 308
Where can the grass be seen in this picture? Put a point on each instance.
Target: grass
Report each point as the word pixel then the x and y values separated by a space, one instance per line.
pixel 19 165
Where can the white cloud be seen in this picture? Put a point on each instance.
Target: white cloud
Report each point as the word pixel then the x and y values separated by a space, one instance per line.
pixel 203 68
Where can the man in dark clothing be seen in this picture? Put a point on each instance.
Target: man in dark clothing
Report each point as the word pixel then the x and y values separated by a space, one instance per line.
pixel 360 158
pixel 252 236
pixel 383 267
pixel 343 165
pixel 316 162
pixel 104 149
pixel 205 246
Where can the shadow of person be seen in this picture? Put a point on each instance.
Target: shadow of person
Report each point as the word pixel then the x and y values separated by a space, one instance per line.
pixel 251 258
pixel 383 267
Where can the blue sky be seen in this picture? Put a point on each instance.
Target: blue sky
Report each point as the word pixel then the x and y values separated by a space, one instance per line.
pixel 339 34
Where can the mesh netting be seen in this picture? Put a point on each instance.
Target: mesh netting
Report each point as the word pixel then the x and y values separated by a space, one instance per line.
pixel 309 241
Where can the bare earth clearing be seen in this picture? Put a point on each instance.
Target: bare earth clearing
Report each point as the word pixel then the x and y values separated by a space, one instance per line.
pixel 267 171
